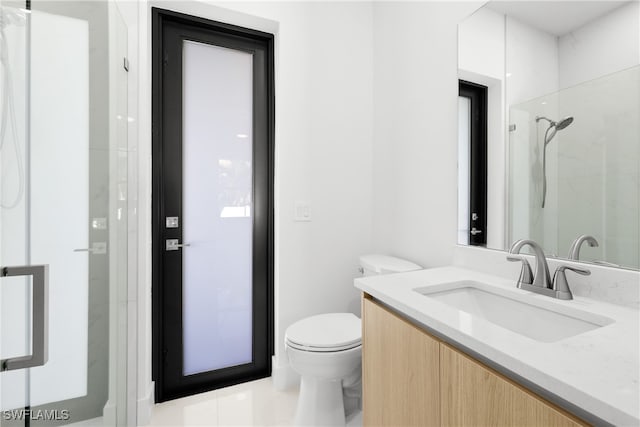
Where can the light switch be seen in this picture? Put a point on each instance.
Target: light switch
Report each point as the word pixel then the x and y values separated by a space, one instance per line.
pixel 302 211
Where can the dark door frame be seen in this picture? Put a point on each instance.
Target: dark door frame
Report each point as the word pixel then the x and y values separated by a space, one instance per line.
pixel 170 383
pixel 477 95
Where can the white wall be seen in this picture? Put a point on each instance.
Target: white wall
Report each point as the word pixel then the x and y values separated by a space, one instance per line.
pixel 531 62
pixel 609 44
pixel 415 128
pixel 481 47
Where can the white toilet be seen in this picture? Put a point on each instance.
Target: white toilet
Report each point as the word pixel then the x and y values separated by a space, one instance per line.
pixel 326 351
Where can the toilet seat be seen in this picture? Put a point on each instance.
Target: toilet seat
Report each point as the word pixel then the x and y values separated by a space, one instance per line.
pixel 322 349
pixel 325 333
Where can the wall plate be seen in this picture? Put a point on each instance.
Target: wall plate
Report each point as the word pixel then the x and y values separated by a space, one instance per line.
pixel 302 212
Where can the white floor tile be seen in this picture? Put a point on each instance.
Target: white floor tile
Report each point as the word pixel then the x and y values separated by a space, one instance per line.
pixel 93 422
pixel 255 403
pixel 197 410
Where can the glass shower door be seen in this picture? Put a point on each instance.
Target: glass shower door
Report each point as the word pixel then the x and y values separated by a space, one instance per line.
pixel 15 291
pixel 63 171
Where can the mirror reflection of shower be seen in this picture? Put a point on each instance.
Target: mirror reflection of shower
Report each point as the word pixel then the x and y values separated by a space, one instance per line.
pixel 9 17
pixel 551 131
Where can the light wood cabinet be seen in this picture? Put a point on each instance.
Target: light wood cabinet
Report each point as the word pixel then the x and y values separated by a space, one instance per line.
pixel 411 378
pixel 400 371
pixel 473 395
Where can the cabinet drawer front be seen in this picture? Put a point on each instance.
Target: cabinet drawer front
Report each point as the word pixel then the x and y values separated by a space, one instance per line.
pixel 401 379
pixel 474 395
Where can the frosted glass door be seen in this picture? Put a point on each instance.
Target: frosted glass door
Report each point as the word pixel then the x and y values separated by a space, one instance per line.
pixel 213 217
pixel 217 207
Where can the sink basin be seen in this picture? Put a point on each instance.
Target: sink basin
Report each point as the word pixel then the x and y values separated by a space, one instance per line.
pixel 520 312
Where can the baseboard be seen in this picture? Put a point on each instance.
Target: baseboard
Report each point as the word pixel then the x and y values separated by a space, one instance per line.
pixel 145 406
pixel 284 378
pixel 109 414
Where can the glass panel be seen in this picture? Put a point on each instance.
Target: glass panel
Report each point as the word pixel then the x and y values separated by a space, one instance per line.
pixel 217 207
pixel 592 169
pixel 60 205
pixel 15 292
pixel 67 148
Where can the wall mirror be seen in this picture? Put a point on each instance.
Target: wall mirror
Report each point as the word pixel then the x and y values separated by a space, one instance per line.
pixel 561 84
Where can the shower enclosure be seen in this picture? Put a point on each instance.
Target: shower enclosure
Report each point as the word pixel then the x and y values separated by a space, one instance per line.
pixel 592 169
pixel 64 213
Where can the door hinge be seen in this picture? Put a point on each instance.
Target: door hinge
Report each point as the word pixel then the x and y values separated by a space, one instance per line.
pixel 165 353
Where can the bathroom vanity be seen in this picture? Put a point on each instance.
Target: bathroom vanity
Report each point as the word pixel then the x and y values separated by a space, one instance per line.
pixel 429 359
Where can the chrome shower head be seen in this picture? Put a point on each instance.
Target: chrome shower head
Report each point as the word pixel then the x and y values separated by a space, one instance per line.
pixel 564 123
pixel 557 125
pixel 554 127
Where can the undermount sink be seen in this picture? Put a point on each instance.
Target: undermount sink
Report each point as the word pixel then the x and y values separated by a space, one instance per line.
pixel 520 312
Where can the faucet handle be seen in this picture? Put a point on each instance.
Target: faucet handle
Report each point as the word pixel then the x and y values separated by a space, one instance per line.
pixel 581 271
pixel 526 275
pixel 560 284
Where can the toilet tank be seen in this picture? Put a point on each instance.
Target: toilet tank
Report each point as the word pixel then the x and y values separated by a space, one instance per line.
pixel 375 264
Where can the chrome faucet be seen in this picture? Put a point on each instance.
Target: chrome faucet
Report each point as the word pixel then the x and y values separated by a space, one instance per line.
pixel 541 278
pixel 540 282
pixel 574 250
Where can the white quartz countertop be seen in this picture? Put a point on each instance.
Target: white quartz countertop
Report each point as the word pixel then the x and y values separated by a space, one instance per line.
pixel 597 371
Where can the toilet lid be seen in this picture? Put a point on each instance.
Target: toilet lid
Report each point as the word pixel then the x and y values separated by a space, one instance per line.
pixel 325 332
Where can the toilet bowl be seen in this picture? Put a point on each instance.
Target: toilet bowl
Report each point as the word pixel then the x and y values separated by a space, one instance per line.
pixel 326 350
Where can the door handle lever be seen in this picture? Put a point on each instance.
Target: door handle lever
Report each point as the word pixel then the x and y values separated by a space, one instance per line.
pixel 173 245
pixel 475 231
pixel 97 248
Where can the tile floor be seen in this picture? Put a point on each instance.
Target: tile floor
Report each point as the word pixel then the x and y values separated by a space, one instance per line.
pixel 255 403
